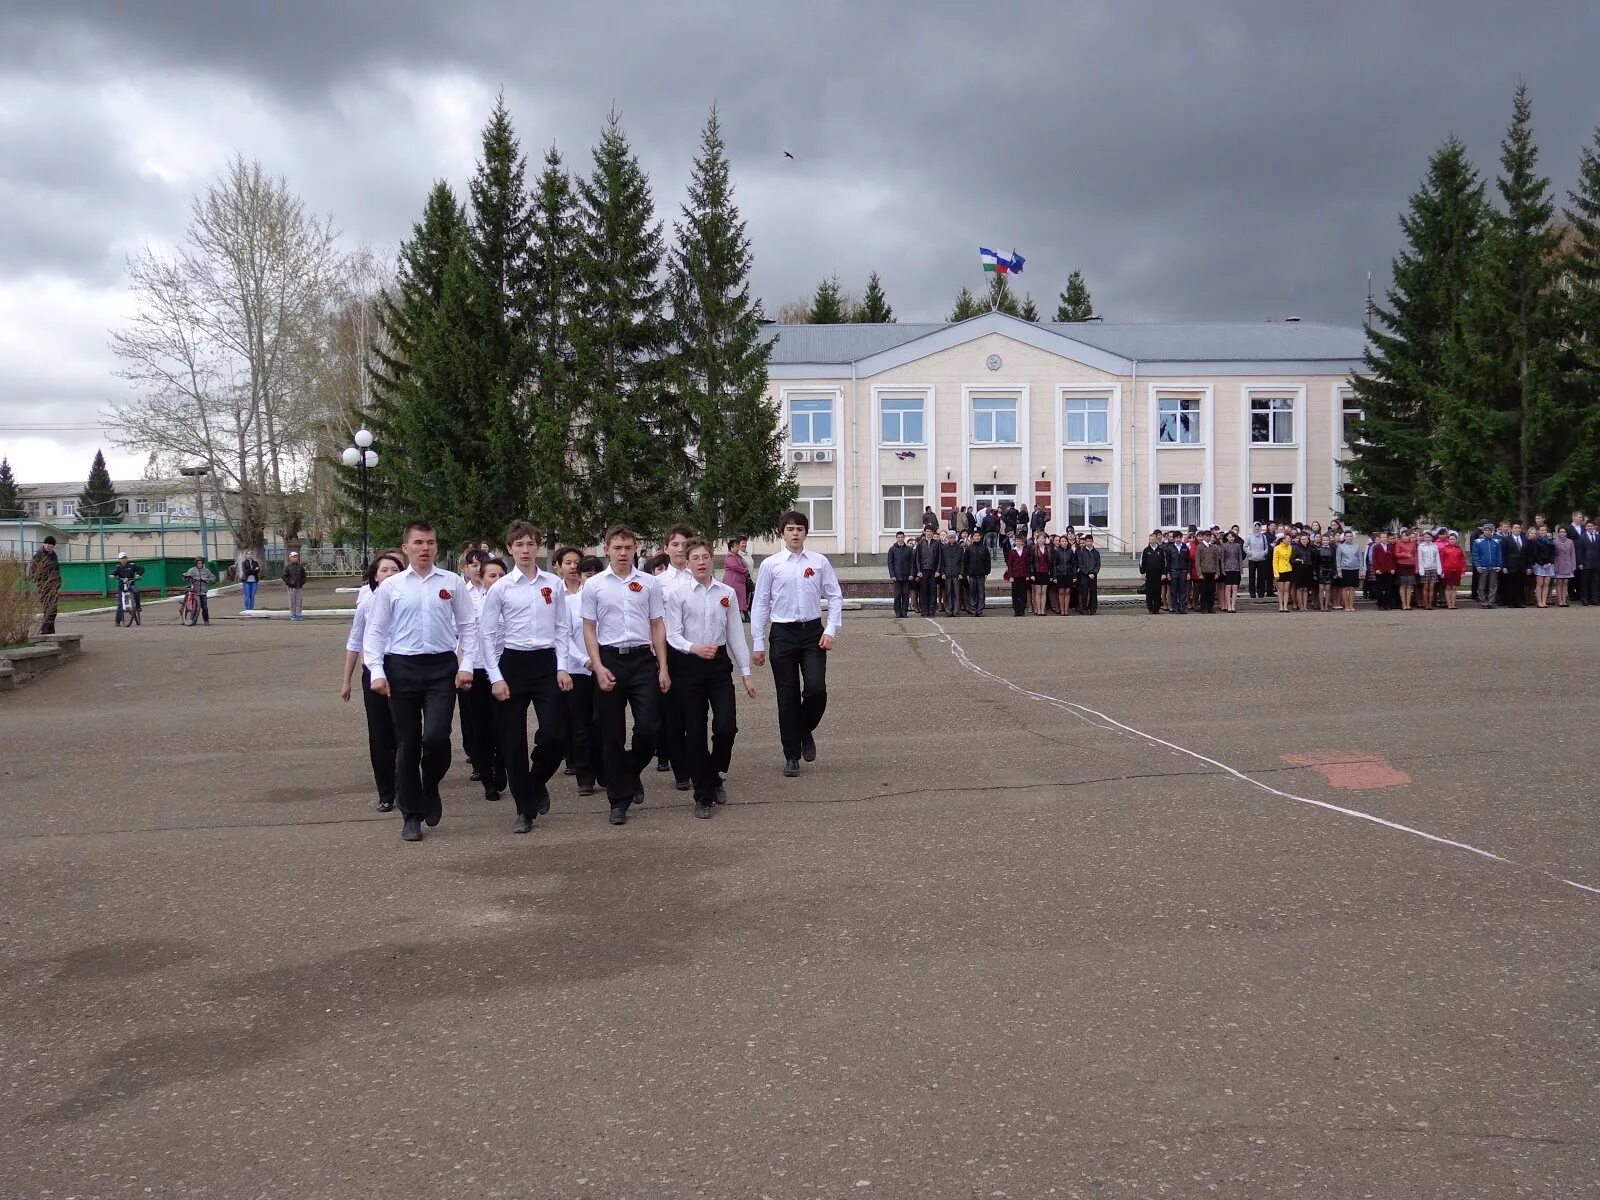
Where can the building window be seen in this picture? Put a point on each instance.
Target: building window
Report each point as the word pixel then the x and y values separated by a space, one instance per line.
pixel 994 495
pixel 994 420
pixel 161 506
pixel 1180 505
pixel 811 422
pixel 1272 502
pixel 49 508
pixel 1352 411
pixel 1178 420
pixel 1088 421
pixel 33 508
pixel 1272 420
pixel 122 505
pixel 69 508
pixel 1089 505
pixel 902 506
pixel 817 503
pixel 141 508
pixel 900 421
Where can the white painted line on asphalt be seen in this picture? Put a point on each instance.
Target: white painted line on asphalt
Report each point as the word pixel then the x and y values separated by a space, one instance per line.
pixel 1083 712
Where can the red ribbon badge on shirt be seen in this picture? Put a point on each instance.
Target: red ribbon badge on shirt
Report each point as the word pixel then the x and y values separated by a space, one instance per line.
pixel 724 602
pixel 548 598
pixel 809 572
pixel 635 586
pixel 444 593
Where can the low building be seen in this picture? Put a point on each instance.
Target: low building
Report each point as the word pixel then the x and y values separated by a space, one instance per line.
pixel 1119 429
pixel 159 518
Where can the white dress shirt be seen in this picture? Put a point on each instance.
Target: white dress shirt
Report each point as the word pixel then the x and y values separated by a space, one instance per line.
pixel 358 623
pixel 622 609
pixel 674 577
pixel 706 615
pixel 411 614
pixel 524 612
pixel 791 587
pixel 576 652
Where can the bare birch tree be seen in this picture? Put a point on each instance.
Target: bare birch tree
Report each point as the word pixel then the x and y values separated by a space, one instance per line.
pixel 226 345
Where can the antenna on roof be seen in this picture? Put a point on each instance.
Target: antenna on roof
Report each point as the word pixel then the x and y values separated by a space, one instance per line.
pixel 1369 297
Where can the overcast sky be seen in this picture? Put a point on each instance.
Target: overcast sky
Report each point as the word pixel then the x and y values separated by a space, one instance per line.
pixel 1216 161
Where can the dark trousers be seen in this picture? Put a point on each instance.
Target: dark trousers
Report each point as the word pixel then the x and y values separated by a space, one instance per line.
pixel 1179 593
pixel 1385 591
pixel 798 660
pixel 582 738
pixel 669 737
pixel 49 604
pixel 636 688
pixel 1513 589
pixel 902 597
pixel 422 703
pixel 704 690
pixel 1019 597
pixel 928 595
pixel 950 592
pixel 1591 585
pixel 531 677
pixel 1208 593
pixel 1152 594
pixel 480 735
pixel 1089 594
pixel 1260 579
pixel 979 588
pixel 380 738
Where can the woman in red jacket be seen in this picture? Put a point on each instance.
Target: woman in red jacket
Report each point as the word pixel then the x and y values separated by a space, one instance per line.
pixel 1405 567
pixel 1019 574
pixel 1452 566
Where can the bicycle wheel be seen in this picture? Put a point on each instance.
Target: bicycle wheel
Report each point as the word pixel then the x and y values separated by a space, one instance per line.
pixel 191 612
pixel 137 612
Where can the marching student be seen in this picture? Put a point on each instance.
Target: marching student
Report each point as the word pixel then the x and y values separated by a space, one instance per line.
pixel 380 723
pixel 490 765
pixel 706 639
pixel 525 632
pixel 583 740
pixel 625 634
pixel 669 747
pixel 790 589
pixel 418 619
pixel 477 719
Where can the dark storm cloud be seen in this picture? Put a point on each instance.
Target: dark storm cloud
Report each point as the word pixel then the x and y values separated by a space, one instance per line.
pixel 1207 160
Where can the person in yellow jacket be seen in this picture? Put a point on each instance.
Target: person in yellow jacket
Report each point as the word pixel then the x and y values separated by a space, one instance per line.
pixel 1282 567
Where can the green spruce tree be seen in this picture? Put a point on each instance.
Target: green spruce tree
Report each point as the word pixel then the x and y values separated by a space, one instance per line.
pixel 1576 482
pixel 1001 298
pixel 1075 303
pixel 741 484
pixel 634 441
pixel 10 499
pixel 967 306
pixel 1503 429
pixel 405 312
pixel 553 503
pixel 1393 472
pixel 98 501
pixel 828 305
pixel 1029 311
pixel 875 308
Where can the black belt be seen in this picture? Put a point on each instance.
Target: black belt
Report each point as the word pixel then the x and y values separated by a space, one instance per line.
pixel 624 651
pixel 799 624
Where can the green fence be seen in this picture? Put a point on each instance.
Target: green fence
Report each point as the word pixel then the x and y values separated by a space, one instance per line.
pixel 163 576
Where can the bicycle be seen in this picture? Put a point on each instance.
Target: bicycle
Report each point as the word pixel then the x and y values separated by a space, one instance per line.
pixel 129 605
pixel 189 606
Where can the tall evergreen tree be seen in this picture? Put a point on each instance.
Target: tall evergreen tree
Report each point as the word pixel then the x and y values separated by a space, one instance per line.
pixel 10 499
pixel 875 308
pixel 1075 303
pixel 405 312
pixel 635 436
pixel 741 485
pixel 828 306
pixel 1001 298
pixel 1577 481
pixel 1029 311
pixel 967 305
pixel 1409 339
pixel 1503 429
pixel 98 500
pixel 553 503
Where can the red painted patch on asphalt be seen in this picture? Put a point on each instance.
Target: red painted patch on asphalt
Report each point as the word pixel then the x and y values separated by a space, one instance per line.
pixel 1348 771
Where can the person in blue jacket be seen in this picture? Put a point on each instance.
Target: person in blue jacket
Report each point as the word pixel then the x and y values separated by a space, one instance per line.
pixel 1486 564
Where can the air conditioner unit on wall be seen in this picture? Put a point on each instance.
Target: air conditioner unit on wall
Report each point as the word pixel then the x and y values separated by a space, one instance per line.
pixel 822 456
pixel 799 456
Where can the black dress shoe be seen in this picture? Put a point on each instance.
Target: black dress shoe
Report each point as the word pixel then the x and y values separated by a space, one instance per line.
pixel 524 824
pixel 808 748
pixel 721 796
pixel 385 805
pixel 791 767
pixel 433 816
pixel 411 831
pixel 619 814
pixel 587 789
pixel 685 784
pixel 663 765
pixel 541 802
pixel 702 809
pixel 476 777
pixel 490 794
pixel 568 771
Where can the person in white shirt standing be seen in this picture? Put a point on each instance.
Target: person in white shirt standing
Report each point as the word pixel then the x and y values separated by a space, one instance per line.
pixel 790 590
pixel 706 636
pixel 625 634
pixel 582 751
pixel 670 744
pixel 418 619
pixel 480 733
pixel 525 631
pixel 380 722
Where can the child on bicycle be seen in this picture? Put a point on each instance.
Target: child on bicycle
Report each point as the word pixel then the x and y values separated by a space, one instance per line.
pixel 127 573
pixel 199 577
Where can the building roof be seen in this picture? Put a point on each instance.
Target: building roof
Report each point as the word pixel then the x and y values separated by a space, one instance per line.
pixel 1272 341
pixel 123 487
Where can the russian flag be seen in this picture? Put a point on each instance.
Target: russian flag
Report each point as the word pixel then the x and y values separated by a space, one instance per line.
pixel 999 263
